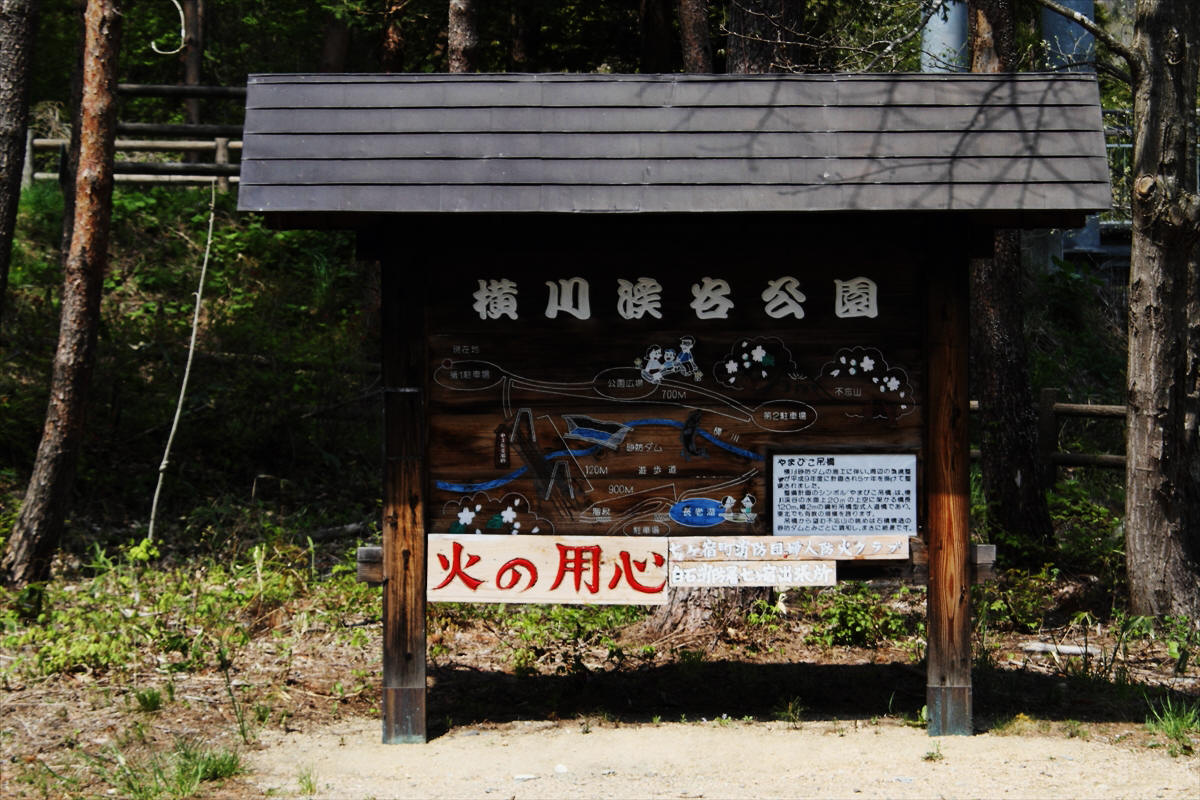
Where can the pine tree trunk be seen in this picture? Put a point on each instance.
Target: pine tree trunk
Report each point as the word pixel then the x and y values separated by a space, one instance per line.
pixel 17 23
pixel 391 55
pixel 1162 500
pixel 1012 484
pixel 462 36
pixel 193 53
pixel 693 32
pixel 39 525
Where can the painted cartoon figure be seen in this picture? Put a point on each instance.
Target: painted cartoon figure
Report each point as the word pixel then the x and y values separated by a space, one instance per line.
pixel 685 364
pixel 653 369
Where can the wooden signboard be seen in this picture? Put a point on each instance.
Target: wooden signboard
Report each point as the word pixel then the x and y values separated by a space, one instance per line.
pixel 577 398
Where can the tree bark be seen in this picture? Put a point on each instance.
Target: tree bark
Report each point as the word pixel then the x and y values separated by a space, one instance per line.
pixel 1162 505
pixel 391 56
pixel 17 23
pixel 693 32
pixel 1012 485
pixel 39 525
pixel 657 47
pixel 462 36
pixel 193 53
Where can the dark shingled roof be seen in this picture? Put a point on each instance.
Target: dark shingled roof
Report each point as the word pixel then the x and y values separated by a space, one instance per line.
pixel 510 143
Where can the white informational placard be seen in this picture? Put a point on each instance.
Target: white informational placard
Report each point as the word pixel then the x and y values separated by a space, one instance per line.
pixel 836 493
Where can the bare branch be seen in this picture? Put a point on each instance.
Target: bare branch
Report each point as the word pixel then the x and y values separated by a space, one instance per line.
pixel 1106 38
pixel 934 8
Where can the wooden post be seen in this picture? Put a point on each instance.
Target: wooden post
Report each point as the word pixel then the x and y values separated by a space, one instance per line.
pixel 222 157
pixel 1048 436
pixel 948 677
pixel 402 296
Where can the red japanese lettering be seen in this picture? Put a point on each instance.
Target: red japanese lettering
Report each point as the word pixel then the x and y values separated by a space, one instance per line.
pixel 459 570
pixel 626 567
pixel 576 560
pixel 509 575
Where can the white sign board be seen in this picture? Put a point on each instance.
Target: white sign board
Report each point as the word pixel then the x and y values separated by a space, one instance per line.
pixel 841 494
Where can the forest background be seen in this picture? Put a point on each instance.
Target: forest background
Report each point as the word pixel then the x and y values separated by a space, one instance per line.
pixel 274 479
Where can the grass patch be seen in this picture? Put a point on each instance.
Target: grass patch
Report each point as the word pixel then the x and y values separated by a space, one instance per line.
pixel 1177 722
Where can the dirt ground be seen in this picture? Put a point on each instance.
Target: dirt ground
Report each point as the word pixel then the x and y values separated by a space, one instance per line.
pixel 727 713
pixel 709 759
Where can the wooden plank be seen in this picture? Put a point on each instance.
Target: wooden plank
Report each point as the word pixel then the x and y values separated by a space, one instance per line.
pixel 948 669
pixel 653 145
pixel 755 171
pixel 948 122
pixel 653 91
pixel 732 574
pixel 547 569
pixel 1060 197
pixel 402 310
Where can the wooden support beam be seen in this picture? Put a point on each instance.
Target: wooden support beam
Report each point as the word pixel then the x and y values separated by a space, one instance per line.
pixel 403 328
pixel 948 678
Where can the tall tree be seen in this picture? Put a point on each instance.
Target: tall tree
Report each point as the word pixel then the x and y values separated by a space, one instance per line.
pixel 17 23
pixel 463 37
pixel 193 53
pixel 1162 472
pixel 39 526
pixel 1012 485
pixel 693 32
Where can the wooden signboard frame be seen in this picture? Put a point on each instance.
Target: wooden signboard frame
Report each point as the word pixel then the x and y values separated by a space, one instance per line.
pixel 943 490
pixel 713 181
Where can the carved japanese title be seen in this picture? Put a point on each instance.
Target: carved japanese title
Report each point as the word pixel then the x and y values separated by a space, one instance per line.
pixel 711 298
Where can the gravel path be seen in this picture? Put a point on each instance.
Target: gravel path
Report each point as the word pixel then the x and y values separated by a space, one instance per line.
pixel 707 760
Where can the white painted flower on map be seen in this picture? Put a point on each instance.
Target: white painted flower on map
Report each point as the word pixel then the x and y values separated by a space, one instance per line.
pixel 868 363
pixel 508 515
pixel 758 353
pixel 465 516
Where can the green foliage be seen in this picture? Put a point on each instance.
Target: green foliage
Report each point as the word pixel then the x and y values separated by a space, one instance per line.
pixel 791 711
pixel 178 774
pixel 285 328
pixel 1182 636
pixel 765 615
pixel 180 619
pixel 533 633
pixel 1074 322
pixel 148 700
pixel 1018 600
pixel 857 616
pixel 1177 722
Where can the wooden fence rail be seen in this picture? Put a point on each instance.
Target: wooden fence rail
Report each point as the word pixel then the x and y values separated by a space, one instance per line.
pixel 1049 413
pixel 190 139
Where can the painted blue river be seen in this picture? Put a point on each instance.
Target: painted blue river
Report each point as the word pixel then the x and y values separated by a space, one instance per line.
pixel 467 488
